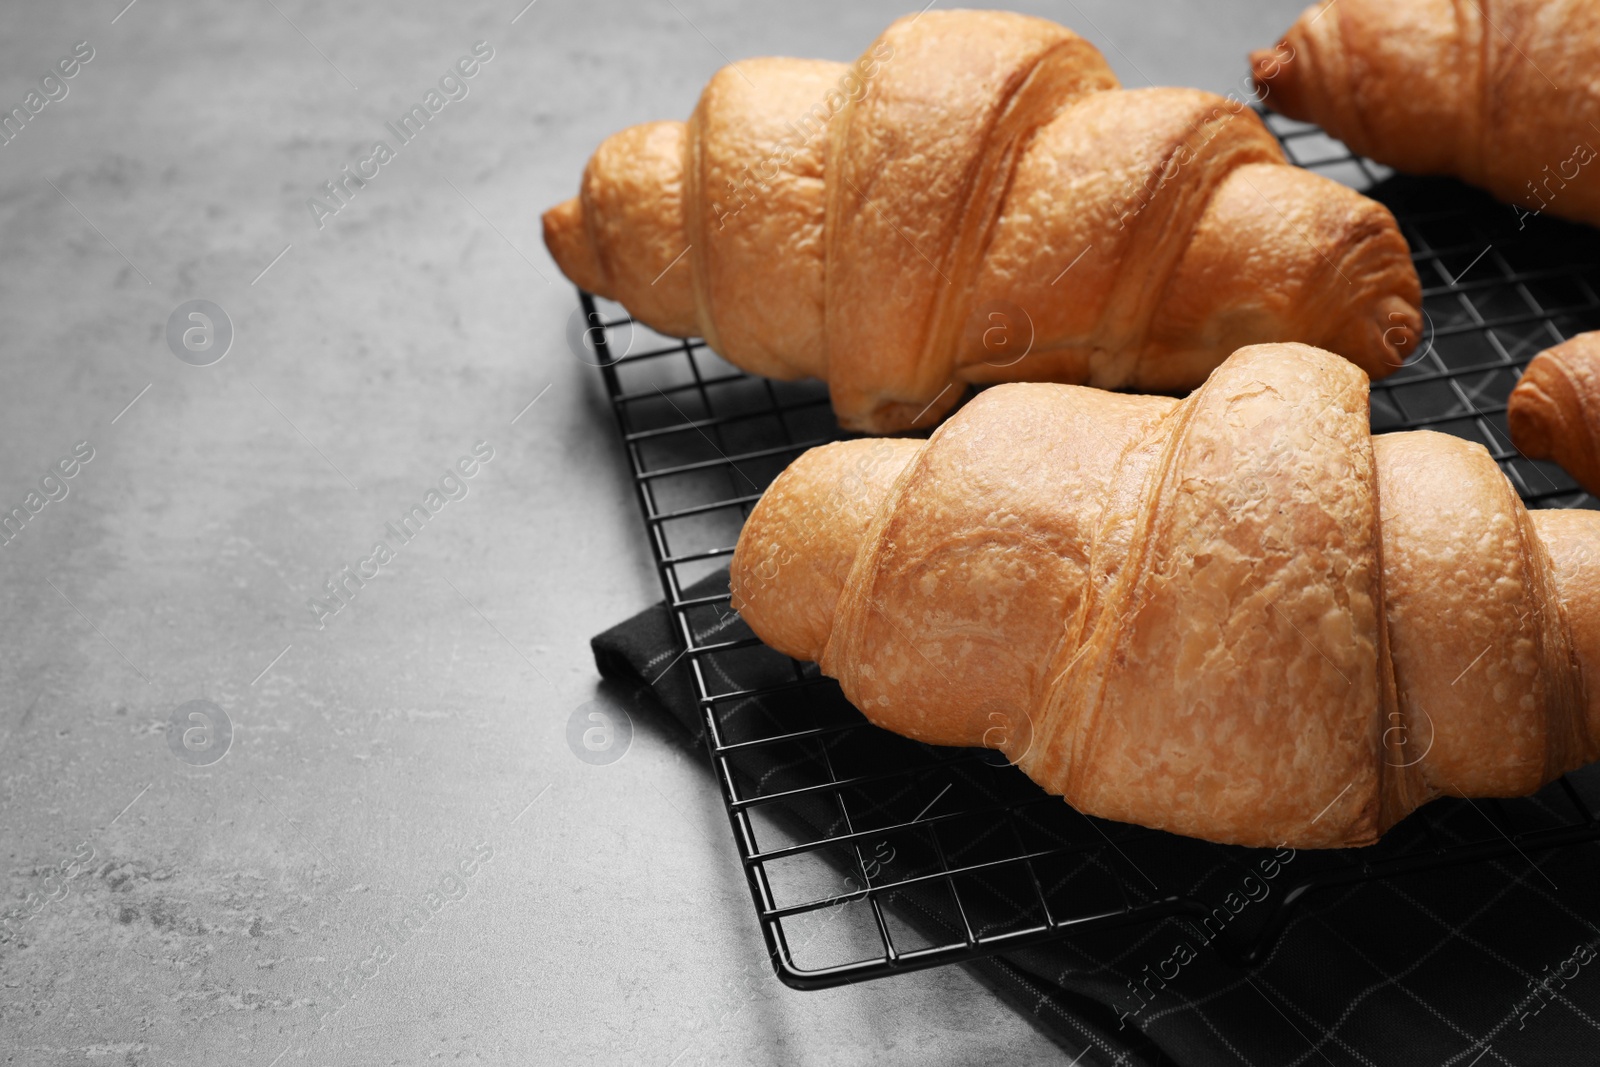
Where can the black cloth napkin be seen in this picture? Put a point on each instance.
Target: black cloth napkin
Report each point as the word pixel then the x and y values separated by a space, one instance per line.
pixel 1496 962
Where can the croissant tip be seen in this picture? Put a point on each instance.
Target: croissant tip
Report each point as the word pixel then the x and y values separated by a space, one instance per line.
pixel 1276 76
pixel 1533 414
pixel 568 243
pixel 1399 325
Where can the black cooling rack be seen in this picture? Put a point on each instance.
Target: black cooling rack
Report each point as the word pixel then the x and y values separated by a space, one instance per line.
pixel 867 853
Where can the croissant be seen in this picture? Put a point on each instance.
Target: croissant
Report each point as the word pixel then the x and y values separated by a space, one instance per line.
pixel 1507 102
pixel 1554 412
pixel 1237 616
pixel 975 200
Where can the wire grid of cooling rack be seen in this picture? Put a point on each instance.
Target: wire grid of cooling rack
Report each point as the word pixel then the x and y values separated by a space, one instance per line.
pixel 869 854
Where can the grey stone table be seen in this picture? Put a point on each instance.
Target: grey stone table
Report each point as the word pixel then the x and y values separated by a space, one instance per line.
pixel 406 756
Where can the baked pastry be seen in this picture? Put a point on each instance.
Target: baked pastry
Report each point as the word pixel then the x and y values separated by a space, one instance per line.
pixel 1508 102
pixel 1554 412
pixel 1195 615
pixel 975 200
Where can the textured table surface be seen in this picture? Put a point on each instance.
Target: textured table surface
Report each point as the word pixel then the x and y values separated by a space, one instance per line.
pixel 163 908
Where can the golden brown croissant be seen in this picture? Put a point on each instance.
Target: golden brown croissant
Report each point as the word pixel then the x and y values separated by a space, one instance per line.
pixel 1238 616
pixel 1554 412
pixel 973 188
pixel 1501 95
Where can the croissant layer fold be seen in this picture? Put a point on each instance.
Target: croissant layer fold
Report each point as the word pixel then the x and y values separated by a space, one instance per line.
pixel 1554 411
pixel 1501 94
pixel 976 200
pixel 1238 616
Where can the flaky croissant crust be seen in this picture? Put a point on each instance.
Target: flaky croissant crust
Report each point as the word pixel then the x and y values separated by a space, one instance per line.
pixel 1238 616
pixel 977 177
pixel 1503 95
pixel 1554 411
